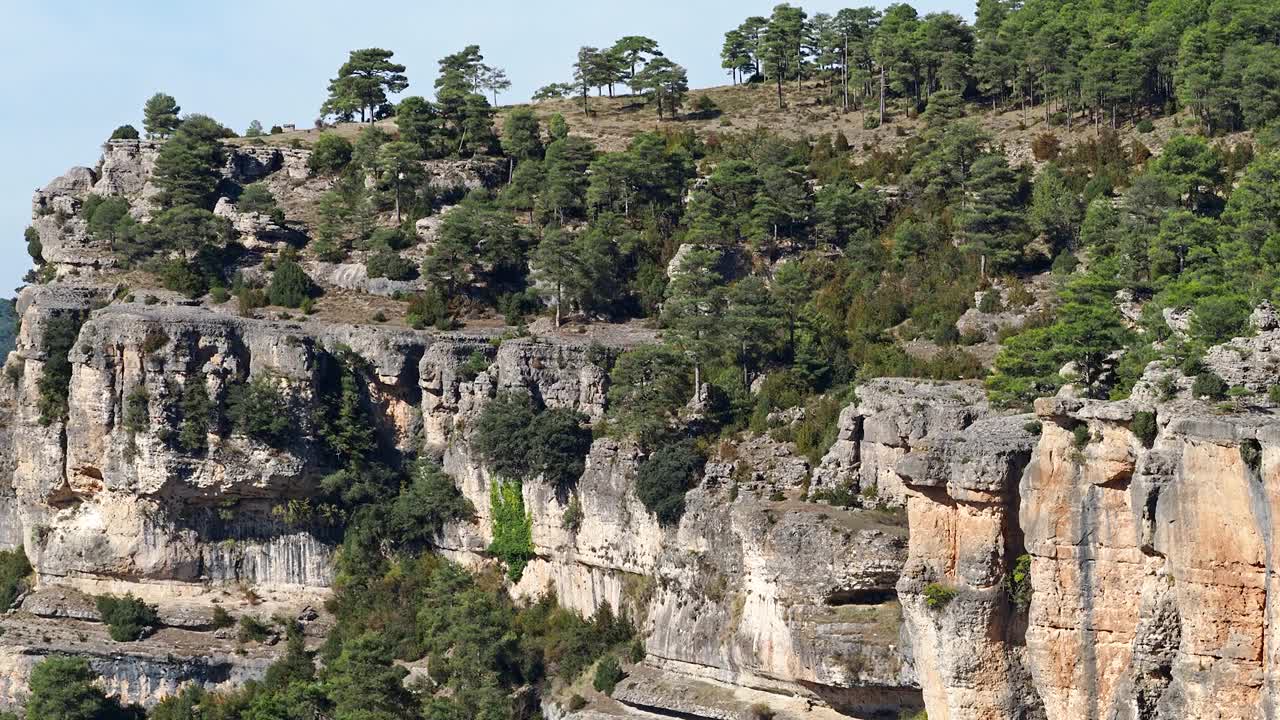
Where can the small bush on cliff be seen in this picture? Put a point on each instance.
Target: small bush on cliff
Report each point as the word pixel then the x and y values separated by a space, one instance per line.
pixel 125 132
pixel 107 218
pixel 252 630
pixel 290 285
pixel 1217 319
pixel 608 675
pixel 127 618
pixel 816 432
pixel 938 596
pixel 1144 427
pixel 181 276
pixel 14 574
pixel 665 477
pixel 193 430
pixel 429 309
pixel 34 247
pixel 1251 454
pixel 387 263
pixel 137 410
pixel 512 527
pixel 60 334
pixel 477 362
pixel 1209 385
pixel 571 520
pixel 1020 583
pixel 1080 436
pixel 256 198
pixel 648 386
pixel 259 410
pixel 222 618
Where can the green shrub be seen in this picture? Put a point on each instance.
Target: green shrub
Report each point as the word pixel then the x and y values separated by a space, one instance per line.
pixel 608 675
pixel 193 430
pixel 1208 385
pixel 181 276
pixel 761 711
pixel 15 573
pixel 665 476
pixel 1251 454
pixel 1191 365
pixel 391 237
pixel 35 248
pixel 990 302
pixel 330 155
pixel 476 363
pixel 576 703
pixel 1144 427
pixel 1273 394
pixel 938 596
pixel 387 263
pixel 516 306
pixel 572 518
pixel 63 688
pixel 155 339
pixel 259 410
pixel 127 618
pixel 1033 426
pixel 60 334
pixel 870 122
pixel 1145 126
pixel 424 505
pixel 222 618
pixel 816 432
pixel 125 132
pixel 1080 436
pixel 1065 263
pixel 252 630
pixel 106 218
pixel 429 309
pixel 137 410
pixel 1217 319
pixel 1019 584
pixel 290 285
pixel 256 198
pixel 249 299
pixel 517 440
pixel 512 527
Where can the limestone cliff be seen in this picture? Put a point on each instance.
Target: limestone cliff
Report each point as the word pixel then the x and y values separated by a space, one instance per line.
pixel 1081 562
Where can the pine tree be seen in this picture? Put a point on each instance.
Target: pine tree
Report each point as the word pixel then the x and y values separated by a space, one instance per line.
pixel 160 116
pixel 363 83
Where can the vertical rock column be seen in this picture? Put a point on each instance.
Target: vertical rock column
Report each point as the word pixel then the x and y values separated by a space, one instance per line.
pixel 965 632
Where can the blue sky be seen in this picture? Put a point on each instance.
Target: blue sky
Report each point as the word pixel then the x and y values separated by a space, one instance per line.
pixel 78 68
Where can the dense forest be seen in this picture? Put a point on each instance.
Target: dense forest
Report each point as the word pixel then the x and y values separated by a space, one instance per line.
pixel 781 271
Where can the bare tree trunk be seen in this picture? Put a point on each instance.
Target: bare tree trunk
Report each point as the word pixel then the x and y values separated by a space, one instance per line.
pixel 882 95
pixel 844 72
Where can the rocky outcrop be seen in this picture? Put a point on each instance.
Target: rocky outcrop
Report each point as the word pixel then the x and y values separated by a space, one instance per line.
pixel 1152 566
pixel 962 507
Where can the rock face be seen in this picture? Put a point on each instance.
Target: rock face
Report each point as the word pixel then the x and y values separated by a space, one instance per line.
pixel 1152 567
pixel 944 554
